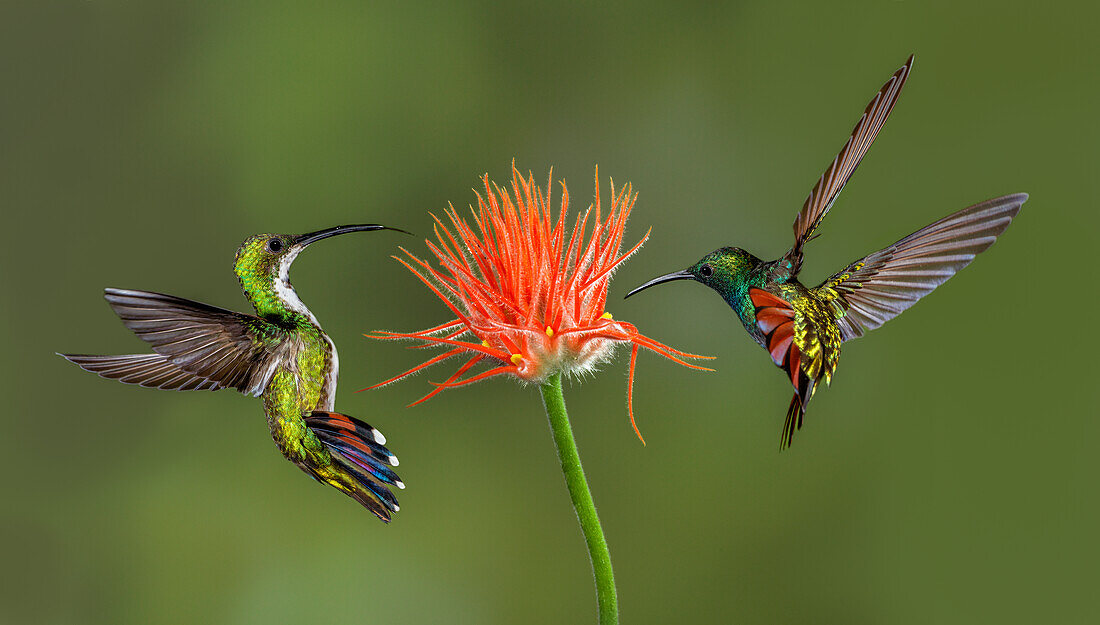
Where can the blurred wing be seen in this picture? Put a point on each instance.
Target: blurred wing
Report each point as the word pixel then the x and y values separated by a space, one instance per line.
pixel 148 370
pixel 878 287
pixel 218 345
pixel 832 181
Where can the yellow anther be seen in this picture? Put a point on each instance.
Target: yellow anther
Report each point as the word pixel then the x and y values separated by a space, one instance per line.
pixel 549 331
pixel 485 343
pixel 606 315
pixel 516 359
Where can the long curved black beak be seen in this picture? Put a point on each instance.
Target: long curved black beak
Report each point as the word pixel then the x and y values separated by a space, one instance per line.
pixel 311 237
pixel 668 277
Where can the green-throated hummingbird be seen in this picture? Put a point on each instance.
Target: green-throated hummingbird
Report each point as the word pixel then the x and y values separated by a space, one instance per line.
pixel 280 354
pixel 803 328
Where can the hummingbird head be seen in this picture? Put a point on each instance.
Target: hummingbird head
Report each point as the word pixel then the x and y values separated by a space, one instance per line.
pixel 263 268
pixel 725 270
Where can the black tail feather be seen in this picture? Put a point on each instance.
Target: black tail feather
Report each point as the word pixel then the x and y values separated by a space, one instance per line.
pixel 794 421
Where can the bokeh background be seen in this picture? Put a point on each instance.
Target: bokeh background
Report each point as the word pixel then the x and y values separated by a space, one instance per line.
pixel 948 476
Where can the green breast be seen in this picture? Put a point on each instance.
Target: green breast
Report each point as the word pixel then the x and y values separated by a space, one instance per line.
pixel 297 388
pixel 314 362
pixel 736 294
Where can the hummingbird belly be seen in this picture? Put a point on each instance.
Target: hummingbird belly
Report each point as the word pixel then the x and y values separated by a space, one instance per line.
pixel 300 385
pixel 285 404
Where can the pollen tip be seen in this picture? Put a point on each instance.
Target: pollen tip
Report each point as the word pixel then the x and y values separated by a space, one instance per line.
pixel 549 331
pixel 485 343
pixel 516 359
pixel 606 315
pixel 399 484
pixel 394 462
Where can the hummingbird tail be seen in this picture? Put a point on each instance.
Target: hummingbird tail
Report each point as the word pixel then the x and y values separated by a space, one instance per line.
pixel 794 421
pixel 359 449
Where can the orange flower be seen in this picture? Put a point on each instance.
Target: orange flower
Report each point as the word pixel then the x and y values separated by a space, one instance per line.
pixel 533 299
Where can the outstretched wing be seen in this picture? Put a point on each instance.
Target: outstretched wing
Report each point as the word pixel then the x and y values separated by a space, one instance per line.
pixel 879 286
pixel 227 348
pixel 832 181
pixel 148 370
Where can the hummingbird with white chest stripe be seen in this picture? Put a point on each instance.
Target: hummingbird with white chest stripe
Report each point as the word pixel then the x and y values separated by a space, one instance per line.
pixel 280 354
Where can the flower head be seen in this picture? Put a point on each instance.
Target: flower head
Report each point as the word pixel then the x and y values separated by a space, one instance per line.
pixel 528 293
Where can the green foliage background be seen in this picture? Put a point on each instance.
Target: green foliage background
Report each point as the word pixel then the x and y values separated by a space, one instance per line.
pixel 948 476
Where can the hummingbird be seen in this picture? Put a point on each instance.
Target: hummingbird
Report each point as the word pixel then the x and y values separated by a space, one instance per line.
pixel 280 354
pixel 802 328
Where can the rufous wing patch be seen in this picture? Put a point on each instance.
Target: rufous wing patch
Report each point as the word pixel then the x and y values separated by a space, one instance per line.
pixel 775 318
pixel 794 363
pixel 763 299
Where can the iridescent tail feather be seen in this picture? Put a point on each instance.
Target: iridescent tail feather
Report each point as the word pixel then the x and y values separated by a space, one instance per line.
pixel 359 449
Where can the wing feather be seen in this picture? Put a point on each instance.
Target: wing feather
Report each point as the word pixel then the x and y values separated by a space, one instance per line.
pixel 228 348
pixel 830 184
pixel 880 286
pixel 148 370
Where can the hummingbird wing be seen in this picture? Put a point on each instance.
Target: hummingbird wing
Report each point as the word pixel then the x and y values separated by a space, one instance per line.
pixel 879 286
pixel 836 175
pixel 230 349
pixel 148 370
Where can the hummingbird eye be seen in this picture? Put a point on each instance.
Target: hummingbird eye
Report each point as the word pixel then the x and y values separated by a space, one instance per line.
pixel 275 245
pixel 706 271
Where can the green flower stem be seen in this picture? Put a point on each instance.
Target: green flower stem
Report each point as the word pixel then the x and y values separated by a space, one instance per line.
pixel 554 401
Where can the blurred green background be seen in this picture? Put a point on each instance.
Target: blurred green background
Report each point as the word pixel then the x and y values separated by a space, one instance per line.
pixel 948 476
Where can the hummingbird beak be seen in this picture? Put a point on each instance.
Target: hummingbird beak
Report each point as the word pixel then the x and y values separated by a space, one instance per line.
pixel 311 237
pixel 668 277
